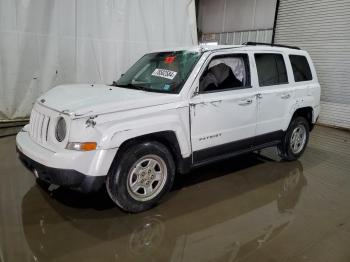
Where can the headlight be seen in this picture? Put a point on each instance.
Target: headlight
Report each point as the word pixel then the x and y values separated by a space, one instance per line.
pixel 61 129
pixel 81 146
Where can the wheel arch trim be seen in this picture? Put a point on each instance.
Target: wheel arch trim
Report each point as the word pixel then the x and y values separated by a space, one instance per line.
pixel 305 111
pixel 169 139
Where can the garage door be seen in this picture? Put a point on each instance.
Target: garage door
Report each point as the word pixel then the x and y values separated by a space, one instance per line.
pixel 322 27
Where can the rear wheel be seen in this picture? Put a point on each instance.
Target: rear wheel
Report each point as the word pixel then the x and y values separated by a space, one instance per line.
pixel 141 176
pixel 295 140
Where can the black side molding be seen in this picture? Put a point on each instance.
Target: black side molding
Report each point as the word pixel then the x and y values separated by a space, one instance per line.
pixel 235 148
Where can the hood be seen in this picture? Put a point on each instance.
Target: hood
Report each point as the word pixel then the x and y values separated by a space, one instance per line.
pixel 83 100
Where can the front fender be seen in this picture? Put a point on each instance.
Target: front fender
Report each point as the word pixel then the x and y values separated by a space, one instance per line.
pixel 115 134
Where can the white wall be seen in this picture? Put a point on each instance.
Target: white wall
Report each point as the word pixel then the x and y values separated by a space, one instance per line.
pixel 235 15
pixel 323 29
pixel 46 43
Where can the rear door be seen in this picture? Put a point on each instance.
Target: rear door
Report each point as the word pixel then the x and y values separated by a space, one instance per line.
pixel 275 96
pixel 223 114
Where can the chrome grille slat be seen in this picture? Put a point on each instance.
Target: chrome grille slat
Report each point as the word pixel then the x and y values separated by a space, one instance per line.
pixel 44 129
pixel 39 126
pixel 35 131
pixel 42 120
pixel 35 125
pixel 47 127
pixel 32 124
pixel 34 119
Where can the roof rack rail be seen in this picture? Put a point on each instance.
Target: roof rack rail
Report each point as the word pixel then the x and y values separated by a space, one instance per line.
pixel 257 43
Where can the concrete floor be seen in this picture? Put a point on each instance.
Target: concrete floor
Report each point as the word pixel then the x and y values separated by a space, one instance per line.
pixel 250 208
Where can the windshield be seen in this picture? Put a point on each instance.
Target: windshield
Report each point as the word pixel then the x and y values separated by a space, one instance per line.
pixel 160 72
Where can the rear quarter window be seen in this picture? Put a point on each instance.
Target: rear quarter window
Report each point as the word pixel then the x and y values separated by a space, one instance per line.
pixel 301 68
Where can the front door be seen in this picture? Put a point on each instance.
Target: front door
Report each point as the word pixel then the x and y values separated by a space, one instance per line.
pixel 223 114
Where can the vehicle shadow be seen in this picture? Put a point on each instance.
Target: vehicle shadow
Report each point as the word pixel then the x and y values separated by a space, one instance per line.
pixel 261 169
pixel 101 201
pixel 221 198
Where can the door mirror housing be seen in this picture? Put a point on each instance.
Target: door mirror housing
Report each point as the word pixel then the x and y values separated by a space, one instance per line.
pixel 196 92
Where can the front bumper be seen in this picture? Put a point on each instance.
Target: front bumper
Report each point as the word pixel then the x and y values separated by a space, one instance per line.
pixel 82 170
pixel 62 177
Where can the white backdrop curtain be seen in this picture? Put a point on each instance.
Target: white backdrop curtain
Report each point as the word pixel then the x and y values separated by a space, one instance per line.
pixel 44 43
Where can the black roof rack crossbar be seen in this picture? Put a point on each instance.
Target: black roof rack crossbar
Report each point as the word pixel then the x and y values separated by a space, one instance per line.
pixel 257 43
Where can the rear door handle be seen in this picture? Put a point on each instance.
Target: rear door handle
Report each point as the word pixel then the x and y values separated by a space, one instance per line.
pixel 285 96
pixel 245 102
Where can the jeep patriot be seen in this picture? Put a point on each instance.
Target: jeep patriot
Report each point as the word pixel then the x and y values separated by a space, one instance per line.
pixel 172 111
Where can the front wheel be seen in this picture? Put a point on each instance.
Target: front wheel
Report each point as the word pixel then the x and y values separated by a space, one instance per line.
pixel 141 176
pixel 295 140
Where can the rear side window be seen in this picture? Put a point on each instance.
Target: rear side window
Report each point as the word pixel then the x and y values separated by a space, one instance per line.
pixel 301 68
pixel 271 69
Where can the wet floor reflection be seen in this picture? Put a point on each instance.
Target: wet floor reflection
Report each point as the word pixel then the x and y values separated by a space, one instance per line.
pixel 223 212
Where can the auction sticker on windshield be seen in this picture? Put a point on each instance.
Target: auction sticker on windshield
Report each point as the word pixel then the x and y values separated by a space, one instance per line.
pixel 164 73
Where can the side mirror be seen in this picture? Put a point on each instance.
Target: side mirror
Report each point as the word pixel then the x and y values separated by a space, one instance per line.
pixel 195 93
pixel 121 75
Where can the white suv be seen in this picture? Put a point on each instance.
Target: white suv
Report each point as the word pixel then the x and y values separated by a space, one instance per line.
pixel 171 111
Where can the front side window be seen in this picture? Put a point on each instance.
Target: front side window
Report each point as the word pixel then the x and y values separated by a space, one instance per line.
pixel 271 69
pixel 301 68
pixel 226 72
pixel 160 72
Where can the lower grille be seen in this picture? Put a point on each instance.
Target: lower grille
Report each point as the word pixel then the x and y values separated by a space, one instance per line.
pixel 38 126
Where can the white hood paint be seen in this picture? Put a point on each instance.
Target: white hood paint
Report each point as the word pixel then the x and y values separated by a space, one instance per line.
pixel 85 99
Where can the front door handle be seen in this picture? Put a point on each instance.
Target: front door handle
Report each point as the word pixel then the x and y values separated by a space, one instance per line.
pixel 245 102
pixel 285 96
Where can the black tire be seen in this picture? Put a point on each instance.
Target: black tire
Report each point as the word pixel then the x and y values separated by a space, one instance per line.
pixel 285 148
pixel 117 182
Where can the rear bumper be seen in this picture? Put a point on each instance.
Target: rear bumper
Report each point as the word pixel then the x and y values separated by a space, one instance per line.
pixel 63 177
